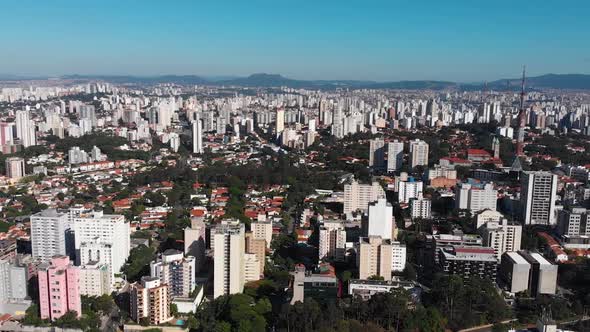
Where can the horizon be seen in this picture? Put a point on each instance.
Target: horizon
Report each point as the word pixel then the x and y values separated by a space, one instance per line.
pixel 220 78
pixel 379 41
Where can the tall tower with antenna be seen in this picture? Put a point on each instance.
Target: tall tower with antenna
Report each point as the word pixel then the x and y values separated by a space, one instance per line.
pixel 521 117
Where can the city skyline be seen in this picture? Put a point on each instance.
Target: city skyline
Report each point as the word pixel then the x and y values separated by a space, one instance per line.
pixel 379 41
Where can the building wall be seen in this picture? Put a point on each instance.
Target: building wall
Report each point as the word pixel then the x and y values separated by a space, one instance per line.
pixel 59 288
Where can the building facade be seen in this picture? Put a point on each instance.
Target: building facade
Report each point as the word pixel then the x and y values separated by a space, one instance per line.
pixel 150 299
pixel 228 258
pixel 358 196
pixel 537 197
pixel 59 288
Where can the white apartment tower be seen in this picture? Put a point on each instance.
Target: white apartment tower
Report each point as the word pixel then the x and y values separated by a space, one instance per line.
pixel 418 153
pixel 25 128
pixel 476 197
pixel 381 219
pixel 537 197
pixel 198 137
pixel 100 238
pixel 279 122
pixel 48 234
pixel 408 190
pixel 395 156
pixel 228 258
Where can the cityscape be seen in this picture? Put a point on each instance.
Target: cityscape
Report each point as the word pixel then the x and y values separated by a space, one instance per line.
pixel 347 195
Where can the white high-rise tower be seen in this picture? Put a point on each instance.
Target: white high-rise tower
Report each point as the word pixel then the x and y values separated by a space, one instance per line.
pixel 25 128
pixel 198 137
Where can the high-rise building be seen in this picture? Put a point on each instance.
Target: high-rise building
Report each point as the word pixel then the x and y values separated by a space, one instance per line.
pixel 48 234
pixel 377 154
pixel 176 271
pixel 228 258
pixel 195 242
pixel 25 128
pixel 501 236
pixel 418 153
pixel 395 156
pixel 573 222
pixel 358 196
pixel 262 230
pixel 398 256
pixel 59 289
pixel 174 141
pixel 332 241
pixel 258 248
pixel 279 121
pixel 408 190
pixel 251 268
pixel 374 257
pixel 420 208
pixel 380 221
pixel 13 282
pixel 95 279
pixel 538 192
pixel 198 137
pixel 15 167
pixel 150 299
pixel 77 156
pixel 496 147
pixel 99 237
pixel 476 197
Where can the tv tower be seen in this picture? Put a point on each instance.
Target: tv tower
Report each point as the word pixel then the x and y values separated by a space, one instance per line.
pixel 521 117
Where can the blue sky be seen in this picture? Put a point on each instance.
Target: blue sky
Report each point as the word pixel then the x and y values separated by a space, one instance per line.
pixel 376 40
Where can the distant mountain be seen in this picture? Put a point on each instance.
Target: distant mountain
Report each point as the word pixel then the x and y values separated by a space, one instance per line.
pixel 548 81
pixel 179 79
pixel 413 85
pixel 264 80
pixel 275 80
pixel 551 81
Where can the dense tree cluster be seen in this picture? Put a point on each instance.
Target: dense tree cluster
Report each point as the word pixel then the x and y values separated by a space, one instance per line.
pixel 468 302
pixel 138 263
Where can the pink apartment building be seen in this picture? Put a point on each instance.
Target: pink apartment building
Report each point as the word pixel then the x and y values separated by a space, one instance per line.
pixel 58 288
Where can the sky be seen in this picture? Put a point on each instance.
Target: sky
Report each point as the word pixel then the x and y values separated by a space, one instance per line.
pixel 456 40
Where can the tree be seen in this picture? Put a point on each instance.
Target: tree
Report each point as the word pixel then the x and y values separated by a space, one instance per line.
pixel 144 321
pixel 410 272
pixel 174 309
pixel 32 316
pixel 375 277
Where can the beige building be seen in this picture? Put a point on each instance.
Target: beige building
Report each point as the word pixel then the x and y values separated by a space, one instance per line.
pixel 358 196
pixel 332 241
pixel 95 279
pixel 374 257
pixel 15 167
pixel 150 300
pixel 501 236
pixel 258 248
pixel 251 268
pixel 262 230
pixel 228 258
pixel 418 153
